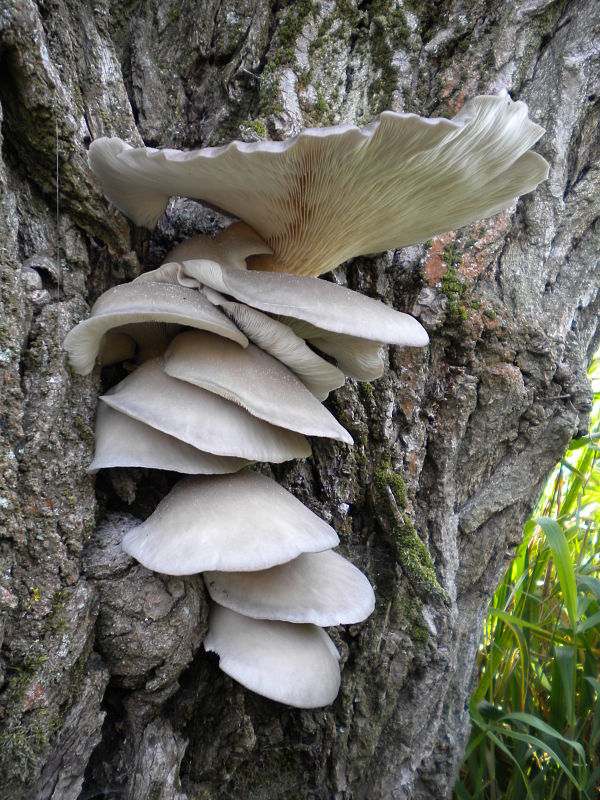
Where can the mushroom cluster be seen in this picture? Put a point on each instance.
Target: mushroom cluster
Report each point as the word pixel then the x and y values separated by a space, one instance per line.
pixel 230 346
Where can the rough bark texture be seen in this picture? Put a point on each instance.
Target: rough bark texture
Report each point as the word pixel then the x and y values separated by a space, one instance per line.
pixel 105 689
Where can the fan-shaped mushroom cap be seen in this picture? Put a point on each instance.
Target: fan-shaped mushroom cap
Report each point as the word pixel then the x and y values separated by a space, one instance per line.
pixel 122 441
pixel 231 247
pixel 200 418
pixel 275 338
pixel 331 194
pixel 321 588
pixel 321 303
pixel 358 358
pixel 293 664
pixel 144 302
pixel 234 522
pixel 253 379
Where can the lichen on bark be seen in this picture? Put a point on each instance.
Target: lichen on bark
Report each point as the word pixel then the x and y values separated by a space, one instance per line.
pixel 451 445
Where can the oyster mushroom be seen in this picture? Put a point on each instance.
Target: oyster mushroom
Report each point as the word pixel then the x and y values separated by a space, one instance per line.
pixel 321 588
pixel 235 522
pixel 254 380
pixel 202 419
pixel 123 441
pixel 124 307
pixel 330 194
pixel 293 664
pixel 275 338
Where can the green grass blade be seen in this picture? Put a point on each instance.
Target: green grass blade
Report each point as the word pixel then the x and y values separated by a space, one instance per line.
pixel 563 565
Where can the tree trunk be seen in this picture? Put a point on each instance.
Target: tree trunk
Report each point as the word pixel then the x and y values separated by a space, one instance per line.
pixel 105 689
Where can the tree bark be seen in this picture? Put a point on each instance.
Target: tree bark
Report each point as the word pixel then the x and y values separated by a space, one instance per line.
pixel 105 689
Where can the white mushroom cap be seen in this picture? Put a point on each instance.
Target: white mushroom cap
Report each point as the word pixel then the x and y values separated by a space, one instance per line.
pixel 234 522
pixel 358 358
pixel 122 441
pixel 253 379
pixel 293 664
pixel 275 338
pixel 231 247
pixel 326 305
pixel 321 588
pixel 143 302
pixel 331 194
pixel 200 418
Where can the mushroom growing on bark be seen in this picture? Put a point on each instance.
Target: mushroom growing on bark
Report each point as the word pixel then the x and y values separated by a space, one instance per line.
pixel 207 401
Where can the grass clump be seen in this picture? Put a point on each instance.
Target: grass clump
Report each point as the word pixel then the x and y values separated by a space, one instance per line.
pixel 536 709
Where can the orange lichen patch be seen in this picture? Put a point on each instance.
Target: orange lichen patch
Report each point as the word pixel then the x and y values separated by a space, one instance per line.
pixel 435 266
pixel 35 697
pixel 477 258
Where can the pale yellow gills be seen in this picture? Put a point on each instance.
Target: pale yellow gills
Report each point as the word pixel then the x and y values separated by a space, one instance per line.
pixel 231 247
pixel 254 380
pixel 321 588
pixel 275 338
pixel 122 441
pixel 330 194
pixel 235 522
pixel 358 358
pixel 319 302
pixel 143 302
pixel 200 418
pixel 293 664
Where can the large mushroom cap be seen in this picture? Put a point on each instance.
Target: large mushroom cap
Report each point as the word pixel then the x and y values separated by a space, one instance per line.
pixel 331 194
pixel 233 523
pixel 143 302
pixel 201 418
pixel 319 302
pixel 293 664
pixel 122 441
pixel 253 379
pixel 277 339
pixel 321 588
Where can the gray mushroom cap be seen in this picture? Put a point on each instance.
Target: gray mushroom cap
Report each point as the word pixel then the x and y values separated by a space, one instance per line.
pixel 231 247
pixel 320 588
pixel 233 523
pixel 330 194
pixel 253 379
pixel 277 339
pixel 358 358
pixel 321 303
pixel 293 664
pixel 143 302
pixel 122 441
pixel 200 418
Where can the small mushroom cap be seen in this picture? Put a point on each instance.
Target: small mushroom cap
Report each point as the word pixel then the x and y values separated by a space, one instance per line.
pixel 122 441
pixel 293 664
pixel 275 338
pixel 358 358
pixel 143 302
pixel 253 379
pixel 231 247
pixel 116 347
pixel 321 588
pixel 330 194
pixel 234 522
pixel 321 303
pixel 200 418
